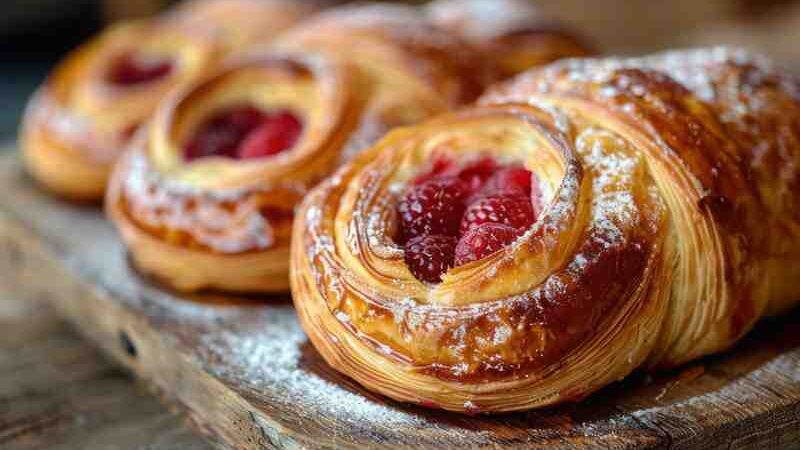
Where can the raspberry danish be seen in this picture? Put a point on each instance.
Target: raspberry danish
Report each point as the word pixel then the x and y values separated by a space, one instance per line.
pixel 580 221
pixel 205 198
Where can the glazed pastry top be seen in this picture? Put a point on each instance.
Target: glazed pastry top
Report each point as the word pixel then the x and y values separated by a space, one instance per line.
pixel 667 223
pixel 250 199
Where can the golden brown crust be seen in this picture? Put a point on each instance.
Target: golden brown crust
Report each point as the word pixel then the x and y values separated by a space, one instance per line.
pixel 60 168
pixel 166 254
pixel 77 123
pixel 666 235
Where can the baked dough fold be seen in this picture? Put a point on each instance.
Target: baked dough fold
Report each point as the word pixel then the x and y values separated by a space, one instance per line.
pixel 670 227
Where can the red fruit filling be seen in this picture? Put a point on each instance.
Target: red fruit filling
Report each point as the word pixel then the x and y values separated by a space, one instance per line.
pixel 429 257
pixel 511 208
pixel 244 132
pixel 433 207
pixel 132 68
pixel 512 179
pixel 455 214
pixel 272 136
pixel 484 240
pixel 477 172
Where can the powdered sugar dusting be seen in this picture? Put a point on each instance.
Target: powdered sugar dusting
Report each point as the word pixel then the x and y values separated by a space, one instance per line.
pixel 77 130
pixel 272 356
pixel 226 220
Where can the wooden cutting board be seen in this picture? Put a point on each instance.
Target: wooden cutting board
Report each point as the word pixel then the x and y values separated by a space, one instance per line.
pixel 246 374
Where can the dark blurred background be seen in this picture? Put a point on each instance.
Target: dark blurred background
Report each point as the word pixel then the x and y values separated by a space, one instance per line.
pixel 34 34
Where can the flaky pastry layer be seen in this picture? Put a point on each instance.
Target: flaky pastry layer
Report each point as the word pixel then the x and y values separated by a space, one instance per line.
pixel 670 228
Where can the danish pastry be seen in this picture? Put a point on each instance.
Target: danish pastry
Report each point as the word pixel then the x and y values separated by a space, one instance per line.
pixel 204 199
pixel 409 69
pixel 580 221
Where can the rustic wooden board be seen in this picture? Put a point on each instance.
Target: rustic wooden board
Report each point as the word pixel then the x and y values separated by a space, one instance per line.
pixel 244 371
pixel 59 393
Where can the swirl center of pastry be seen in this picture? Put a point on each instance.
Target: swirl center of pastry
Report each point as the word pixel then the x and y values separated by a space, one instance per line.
pixel 454 214
pixel 132 68
pixel 244 132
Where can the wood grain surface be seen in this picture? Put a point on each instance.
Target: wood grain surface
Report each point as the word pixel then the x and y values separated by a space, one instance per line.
pixel 59 393
pixel 246 374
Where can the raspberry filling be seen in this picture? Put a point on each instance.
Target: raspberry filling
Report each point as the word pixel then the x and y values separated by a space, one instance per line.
pixel 131 68
pixel 452 215
pixel 244 132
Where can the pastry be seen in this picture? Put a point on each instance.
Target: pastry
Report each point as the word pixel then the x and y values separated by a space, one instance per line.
pixel 204 199
pixel 579 222
pixel 79 120
pixel 512 34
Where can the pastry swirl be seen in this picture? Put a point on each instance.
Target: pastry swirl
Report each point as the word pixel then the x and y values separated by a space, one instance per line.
pixel 409 68
pixel 663 234
pixel 229 218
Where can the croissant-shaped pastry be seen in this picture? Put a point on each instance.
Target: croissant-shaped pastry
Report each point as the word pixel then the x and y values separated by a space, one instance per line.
pixel 213 183
pixel 80 119
pixel 512 34
pixel 581 221
pixel 240 23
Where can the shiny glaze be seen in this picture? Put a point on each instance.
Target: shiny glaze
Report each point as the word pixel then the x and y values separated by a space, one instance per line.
pixel 726 116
